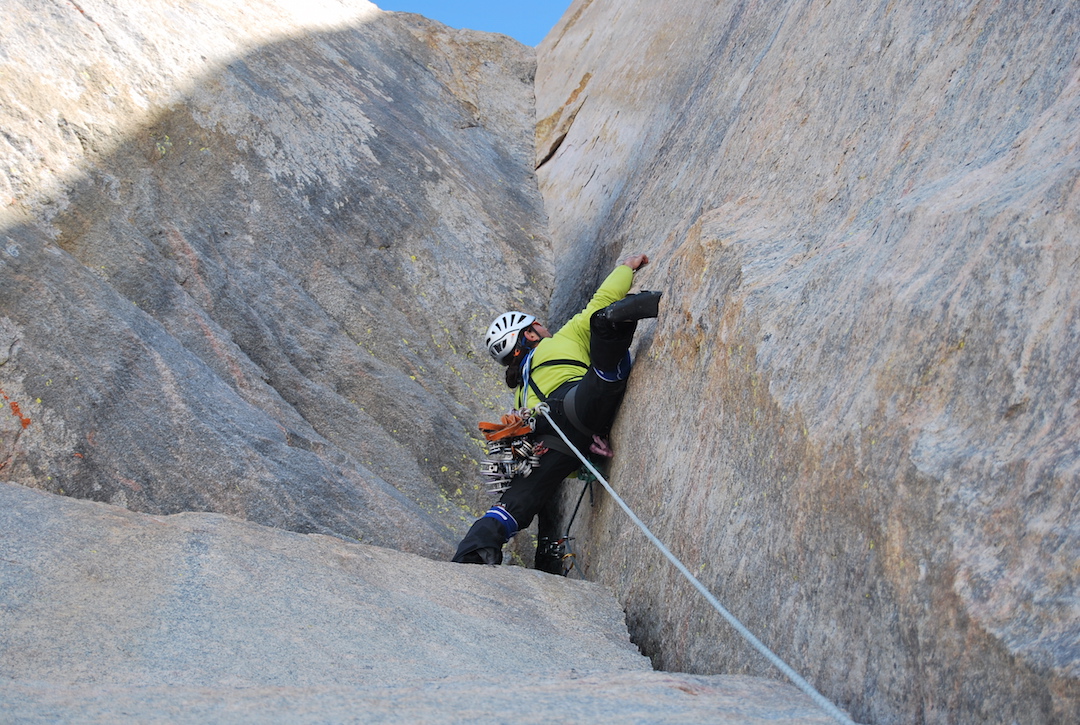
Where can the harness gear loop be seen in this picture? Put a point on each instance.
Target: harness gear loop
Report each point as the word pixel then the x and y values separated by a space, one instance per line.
pixel 511 425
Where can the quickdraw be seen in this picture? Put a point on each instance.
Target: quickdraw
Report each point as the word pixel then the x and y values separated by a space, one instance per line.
pixel 558 549
pixel 510 450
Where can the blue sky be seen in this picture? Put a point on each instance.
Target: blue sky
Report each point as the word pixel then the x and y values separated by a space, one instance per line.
pixel 528 21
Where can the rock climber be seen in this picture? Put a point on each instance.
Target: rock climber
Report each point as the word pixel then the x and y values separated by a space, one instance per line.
pixel 581 373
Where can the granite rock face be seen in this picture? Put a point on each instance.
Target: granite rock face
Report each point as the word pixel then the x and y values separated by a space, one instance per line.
pixel 858 416
pixel 247 249
pixel 112 616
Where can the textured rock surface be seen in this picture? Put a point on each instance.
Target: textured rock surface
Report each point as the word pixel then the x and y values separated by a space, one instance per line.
pixel 247 248
pixel 858 416
pixel 112 616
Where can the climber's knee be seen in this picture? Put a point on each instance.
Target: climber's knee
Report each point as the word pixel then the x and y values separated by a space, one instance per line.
pixel 620 371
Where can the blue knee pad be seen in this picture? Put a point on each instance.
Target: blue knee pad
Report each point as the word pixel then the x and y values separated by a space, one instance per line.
pixel 499 513
pixel 621 372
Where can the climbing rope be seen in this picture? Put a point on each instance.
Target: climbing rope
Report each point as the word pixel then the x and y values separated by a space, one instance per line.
pixel 791 674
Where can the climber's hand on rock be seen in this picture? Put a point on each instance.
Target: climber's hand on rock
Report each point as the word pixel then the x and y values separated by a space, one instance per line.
pixel 637 261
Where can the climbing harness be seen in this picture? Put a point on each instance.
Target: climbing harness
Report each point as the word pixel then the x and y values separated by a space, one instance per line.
pixel 739 627
pixel 510 449
pixel 527 368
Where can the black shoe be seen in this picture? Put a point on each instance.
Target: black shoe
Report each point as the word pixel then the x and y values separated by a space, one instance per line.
pixel 640 306
pixel 480 556
pixel 618 321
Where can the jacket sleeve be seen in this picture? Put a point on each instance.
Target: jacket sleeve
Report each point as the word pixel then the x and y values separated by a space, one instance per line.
pixel 572 341
pixel 613 289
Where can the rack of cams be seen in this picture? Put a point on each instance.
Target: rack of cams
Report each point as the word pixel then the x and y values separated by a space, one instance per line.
pixel 510 450
pixel 508 457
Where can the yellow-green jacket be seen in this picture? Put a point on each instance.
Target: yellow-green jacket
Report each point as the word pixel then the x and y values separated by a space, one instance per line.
pixel 571 342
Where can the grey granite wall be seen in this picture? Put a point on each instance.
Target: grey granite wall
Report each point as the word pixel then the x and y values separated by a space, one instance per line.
pixel 857 416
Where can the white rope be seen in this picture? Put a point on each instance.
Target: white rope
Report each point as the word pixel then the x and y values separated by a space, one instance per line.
pixel 791 674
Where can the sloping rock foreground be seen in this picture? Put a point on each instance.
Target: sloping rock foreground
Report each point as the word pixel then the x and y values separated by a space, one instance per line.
pixel 858 416
pixel 246 249
pixel 112 616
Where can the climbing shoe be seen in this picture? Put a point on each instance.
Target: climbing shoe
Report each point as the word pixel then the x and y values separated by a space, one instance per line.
pixel 486 555
pixel 639 306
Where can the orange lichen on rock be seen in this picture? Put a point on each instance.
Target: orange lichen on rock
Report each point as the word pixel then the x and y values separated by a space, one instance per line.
pixel 16 410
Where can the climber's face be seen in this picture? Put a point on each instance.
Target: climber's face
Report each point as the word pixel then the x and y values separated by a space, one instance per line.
pixel 535 332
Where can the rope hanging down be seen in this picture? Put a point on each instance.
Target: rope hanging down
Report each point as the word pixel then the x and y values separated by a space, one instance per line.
pixel 791 674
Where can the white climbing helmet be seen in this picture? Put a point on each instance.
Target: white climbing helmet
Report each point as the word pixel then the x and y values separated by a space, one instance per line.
pixel 502 336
